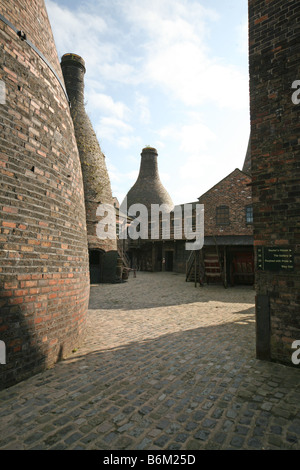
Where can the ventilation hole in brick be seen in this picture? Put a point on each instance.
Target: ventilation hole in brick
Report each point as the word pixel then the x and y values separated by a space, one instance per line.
pixel 19 88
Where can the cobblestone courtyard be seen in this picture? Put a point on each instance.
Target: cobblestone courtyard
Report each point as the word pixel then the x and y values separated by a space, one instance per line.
pixel 165 366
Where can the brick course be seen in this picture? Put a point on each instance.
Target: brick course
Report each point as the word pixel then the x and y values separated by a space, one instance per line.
pixel 274 55
pixel 234 191
pixel 44 285
pixel 97 188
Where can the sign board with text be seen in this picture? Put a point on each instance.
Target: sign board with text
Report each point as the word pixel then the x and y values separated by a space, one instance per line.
pixel 275 258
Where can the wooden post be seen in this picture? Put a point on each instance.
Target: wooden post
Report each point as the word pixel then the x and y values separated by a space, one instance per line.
pixel 153 257
pixel 225 268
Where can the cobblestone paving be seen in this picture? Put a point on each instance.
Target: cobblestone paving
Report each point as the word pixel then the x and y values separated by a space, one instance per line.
pixel 165 366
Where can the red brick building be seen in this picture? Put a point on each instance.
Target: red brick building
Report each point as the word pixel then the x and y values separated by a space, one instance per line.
pixel 228 206
pixel 228 230
pixel 227 254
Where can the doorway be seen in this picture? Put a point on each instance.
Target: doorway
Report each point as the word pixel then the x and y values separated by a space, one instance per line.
pixel 96 266
pixel 169 255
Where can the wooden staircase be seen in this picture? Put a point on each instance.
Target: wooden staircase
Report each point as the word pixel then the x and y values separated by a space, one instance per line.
pixel 123 261
pixel 194 268
pixel 214 268
pixel 208 267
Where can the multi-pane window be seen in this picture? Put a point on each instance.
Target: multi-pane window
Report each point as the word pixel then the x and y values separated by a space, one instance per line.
pixel 249 214
pixel 222 215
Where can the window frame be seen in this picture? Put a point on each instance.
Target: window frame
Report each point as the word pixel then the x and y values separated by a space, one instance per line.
pixel 222 215
pixel 249 222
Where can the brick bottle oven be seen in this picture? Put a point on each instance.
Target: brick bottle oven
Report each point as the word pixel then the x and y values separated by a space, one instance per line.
pixel 148 188
pixel 274 31
pixel 97 189
pixel 44 258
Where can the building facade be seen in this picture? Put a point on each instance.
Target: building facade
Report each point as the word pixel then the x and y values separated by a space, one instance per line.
pixel 228 230
pixel 274 54
pixel 227 253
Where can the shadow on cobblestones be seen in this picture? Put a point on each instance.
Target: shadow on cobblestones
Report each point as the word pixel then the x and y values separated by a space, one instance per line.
pixel 196 389
pixel 23 356
pixel 177 377
pixel 134 293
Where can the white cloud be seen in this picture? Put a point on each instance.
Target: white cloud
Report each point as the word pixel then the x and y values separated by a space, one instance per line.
pixel 152 78
pixel 242 37
pixel 177 56
pixel 200 157
pixel 168 20
pixel 110 127
pixel 113 172
pixel 191 76
pixel 191 137
pixel 90 35
pixel 117 177
pixel 128 141
pixel 78 32
pixel 104 104
pixel 160 144
pixel 194 137
pixel 118 72
pixel 164 176
pixel 142 106
pixel 116 123
pixel 194 166
pixel 163 43
pixel 118 132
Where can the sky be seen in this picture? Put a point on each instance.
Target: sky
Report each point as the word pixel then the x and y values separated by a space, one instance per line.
pixel 170 74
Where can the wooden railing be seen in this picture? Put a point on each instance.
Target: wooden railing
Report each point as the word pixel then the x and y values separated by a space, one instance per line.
pixel 123 255
pixel 190 263
pixel 194 268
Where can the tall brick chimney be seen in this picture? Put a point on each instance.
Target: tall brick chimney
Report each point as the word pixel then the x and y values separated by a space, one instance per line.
pixel 97 188
pixel 148 188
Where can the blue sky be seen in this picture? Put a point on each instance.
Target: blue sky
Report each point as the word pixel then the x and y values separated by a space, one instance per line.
pixel 172 74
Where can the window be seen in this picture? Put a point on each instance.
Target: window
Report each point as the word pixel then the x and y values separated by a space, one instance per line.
pixel 249 215
pixel 222 215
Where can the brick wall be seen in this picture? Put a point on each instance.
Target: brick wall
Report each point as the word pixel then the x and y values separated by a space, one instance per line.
pixel 233 191
pixel 96 182
pixel 274 55
pixel 44 283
